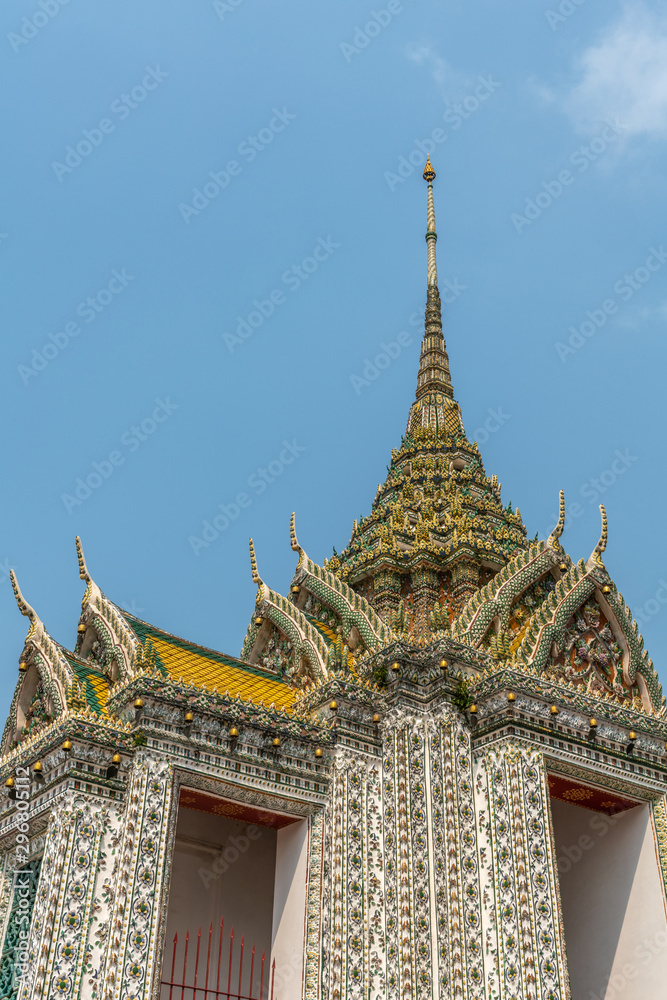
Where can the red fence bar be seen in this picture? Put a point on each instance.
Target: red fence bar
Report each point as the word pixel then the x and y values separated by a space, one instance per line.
pixel 185 962
pixel 241 964
pixel 231 949
pixel 189 981
pixel 217 982
pixel 208 959
pixel 194 995
pixel 173 965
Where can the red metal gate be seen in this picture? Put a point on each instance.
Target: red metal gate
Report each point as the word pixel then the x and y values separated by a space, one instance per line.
pixel 211 982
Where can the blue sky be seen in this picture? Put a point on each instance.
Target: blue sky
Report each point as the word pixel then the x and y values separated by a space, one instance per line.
pixel 211 219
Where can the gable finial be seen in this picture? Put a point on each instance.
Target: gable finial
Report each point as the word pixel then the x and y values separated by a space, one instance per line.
pixel 23 605
pixel 256 578
pixel 83 570
pixel 552 541
pixel 596 555
pixel 294 542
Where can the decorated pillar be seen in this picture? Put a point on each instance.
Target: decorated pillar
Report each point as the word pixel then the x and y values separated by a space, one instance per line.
pixel 426 593
pixel 402 842
pixel 523 925
pixel 660 828
pixel 60 952
pixel 465 582
pixel 143 867
pixel 387 594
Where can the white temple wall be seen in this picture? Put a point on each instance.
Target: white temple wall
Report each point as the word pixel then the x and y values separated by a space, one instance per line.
pixel 613 903
pixel 221 868
pixel 289 909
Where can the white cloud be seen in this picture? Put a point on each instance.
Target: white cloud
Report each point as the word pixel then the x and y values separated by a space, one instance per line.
pixel 452 83
pixel 624 75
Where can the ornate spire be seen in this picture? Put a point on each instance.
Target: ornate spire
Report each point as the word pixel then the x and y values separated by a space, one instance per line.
pixel 434 376
pixel 431 235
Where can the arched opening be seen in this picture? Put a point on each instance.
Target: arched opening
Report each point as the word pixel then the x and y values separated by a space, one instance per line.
pixel 611 892
pixel 239 867
pixel 35 706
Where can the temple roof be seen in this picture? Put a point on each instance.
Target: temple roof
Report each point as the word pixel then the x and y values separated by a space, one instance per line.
pixel 439 560
pixel 199 666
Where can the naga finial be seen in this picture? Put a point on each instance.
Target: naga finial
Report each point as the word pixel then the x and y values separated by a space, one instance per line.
pixel 552 541
pixel 596 555
pixel 24 607
pixel 294 542
pixel 256 578
pixel 83 570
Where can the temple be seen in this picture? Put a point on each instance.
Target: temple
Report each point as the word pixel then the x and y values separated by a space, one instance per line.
pixel 437 768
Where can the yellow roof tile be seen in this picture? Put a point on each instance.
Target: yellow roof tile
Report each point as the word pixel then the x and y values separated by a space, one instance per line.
pixel 199 669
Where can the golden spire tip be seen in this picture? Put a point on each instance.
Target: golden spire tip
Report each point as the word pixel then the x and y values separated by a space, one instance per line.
pixel 429 172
